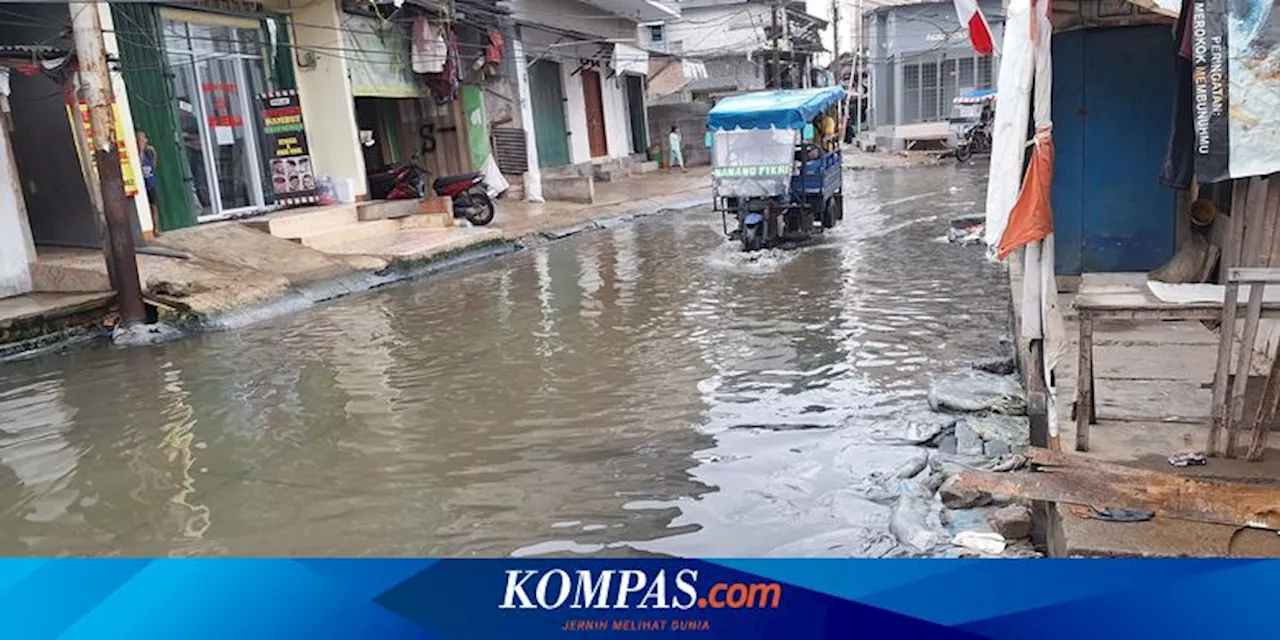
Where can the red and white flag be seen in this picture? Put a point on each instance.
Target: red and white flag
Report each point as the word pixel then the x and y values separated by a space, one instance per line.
pixel 971 19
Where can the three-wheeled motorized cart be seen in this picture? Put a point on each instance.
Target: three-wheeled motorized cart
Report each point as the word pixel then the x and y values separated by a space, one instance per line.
pixel 775 158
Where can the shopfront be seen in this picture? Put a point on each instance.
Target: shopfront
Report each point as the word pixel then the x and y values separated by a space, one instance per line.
pixel 218 72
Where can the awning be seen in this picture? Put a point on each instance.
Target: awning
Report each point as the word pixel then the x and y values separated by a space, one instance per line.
pixel 629 59
pixel 975 97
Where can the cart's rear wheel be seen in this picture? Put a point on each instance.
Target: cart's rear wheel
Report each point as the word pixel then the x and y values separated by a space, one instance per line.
pixel 829 213
pixel 752 237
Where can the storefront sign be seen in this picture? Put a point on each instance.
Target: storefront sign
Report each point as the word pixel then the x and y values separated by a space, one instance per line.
pixel 1236 90
pixel 126 165
pixel 293 179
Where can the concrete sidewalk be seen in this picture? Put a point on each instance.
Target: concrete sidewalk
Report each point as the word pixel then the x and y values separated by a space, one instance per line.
pixel 235 266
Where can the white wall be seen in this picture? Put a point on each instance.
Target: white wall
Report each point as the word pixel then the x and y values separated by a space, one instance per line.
pixel 715 30
pixel 16 250
pixel 575 110
pixel 617 120
pixel 328 110
pixel 569 15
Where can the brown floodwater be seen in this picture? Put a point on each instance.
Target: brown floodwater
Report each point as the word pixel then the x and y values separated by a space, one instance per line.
pixel 641 389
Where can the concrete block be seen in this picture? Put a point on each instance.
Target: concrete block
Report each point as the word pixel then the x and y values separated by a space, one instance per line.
pixel 570 189
pixel 436 204
pixel 606 173
pixel 295 223
pixel 641 168
pixel 385 209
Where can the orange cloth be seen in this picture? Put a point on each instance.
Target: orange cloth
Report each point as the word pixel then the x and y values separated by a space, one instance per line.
pixel 1032 216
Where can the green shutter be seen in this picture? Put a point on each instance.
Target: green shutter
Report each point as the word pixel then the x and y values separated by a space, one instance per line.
pixel 149 83
pixel 282 58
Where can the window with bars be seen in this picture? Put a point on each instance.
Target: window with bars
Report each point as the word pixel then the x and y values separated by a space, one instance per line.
pixel 929 86
pixel 910 93
pixel 984 73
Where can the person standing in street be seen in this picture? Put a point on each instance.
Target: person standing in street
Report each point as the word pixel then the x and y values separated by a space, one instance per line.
pixel 675 155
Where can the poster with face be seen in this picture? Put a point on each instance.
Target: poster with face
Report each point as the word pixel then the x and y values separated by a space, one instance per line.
pixel 1235 55
pixel 288 155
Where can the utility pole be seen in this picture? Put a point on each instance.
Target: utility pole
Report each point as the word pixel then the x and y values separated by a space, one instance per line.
pixel 776 81
pixel 91 55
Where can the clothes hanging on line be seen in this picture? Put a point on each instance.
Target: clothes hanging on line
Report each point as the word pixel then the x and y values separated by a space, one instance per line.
pixel 429 50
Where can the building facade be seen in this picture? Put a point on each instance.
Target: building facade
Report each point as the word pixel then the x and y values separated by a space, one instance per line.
pixel 919 60
pixel 585 90
pixel 745 45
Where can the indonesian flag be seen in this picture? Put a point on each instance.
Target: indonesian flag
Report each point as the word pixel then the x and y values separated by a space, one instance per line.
pixel 971 18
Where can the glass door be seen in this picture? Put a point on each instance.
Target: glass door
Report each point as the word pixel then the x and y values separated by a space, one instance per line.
pixel 218 73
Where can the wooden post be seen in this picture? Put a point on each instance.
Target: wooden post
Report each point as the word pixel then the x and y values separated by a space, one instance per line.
pixel 1250 244
pixel 1084 383
pixel 1222 373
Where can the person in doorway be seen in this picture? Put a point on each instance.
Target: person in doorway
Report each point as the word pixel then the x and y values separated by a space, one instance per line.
pixel 675 153
pixel 147 159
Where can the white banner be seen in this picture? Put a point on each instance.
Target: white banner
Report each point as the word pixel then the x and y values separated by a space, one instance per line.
pixel 377 55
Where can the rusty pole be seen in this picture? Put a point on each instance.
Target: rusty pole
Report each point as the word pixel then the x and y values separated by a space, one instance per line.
pixel 118 244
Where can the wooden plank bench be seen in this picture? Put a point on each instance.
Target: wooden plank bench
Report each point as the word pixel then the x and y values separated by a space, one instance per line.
pixel 1134 302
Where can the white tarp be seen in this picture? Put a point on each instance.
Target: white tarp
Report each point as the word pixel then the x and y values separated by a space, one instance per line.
pixel 629 59
pixel 1023 64
pixel 1206 293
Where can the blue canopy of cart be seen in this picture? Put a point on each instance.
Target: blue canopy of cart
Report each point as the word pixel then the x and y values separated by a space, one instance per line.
pixel 779 109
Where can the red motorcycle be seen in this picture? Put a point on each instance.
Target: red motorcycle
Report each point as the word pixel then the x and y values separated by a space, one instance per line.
pixel 470 197
pixel 468 191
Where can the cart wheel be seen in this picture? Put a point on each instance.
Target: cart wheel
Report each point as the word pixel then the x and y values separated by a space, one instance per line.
pixel 829 213
pixel 963 153
pixel 752 237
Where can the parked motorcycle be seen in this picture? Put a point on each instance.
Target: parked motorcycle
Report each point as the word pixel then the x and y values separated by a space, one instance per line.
pixel 405 181
pixel 976 139
pixel 397 182
pixel 470 197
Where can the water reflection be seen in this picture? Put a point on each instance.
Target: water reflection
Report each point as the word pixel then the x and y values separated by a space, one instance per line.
pixel 645 389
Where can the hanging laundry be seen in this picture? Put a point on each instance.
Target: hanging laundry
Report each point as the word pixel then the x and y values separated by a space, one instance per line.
pixel 429 49
pixel 444 85
pixel 493 54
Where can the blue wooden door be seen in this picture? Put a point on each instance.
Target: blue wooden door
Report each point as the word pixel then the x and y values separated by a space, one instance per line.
pixel 1112 93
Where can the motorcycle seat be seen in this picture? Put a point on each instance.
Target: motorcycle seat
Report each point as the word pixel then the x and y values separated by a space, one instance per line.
pixel 461 177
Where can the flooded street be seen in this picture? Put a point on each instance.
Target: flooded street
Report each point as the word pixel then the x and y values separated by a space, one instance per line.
pixel 641 389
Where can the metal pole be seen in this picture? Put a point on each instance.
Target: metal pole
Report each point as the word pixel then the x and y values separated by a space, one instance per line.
pixel 775 82
pixel 121 256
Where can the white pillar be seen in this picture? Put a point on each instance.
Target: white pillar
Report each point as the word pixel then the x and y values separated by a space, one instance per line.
pixel 532 177
pixel 16 251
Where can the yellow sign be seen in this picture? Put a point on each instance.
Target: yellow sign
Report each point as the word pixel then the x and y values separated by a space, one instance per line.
pixel 126 166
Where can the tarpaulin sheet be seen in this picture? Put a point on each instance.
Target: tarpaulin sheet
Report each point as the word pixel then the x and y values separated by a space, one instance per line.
pixel 780 109
pixel 1236 87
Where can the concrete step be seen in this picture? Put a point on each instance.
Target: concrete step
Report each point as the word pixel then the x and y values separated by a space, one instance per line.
pixel 426 221
pixel 329 237
pixel 49 277
pixel 386 209
pixel 298 223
